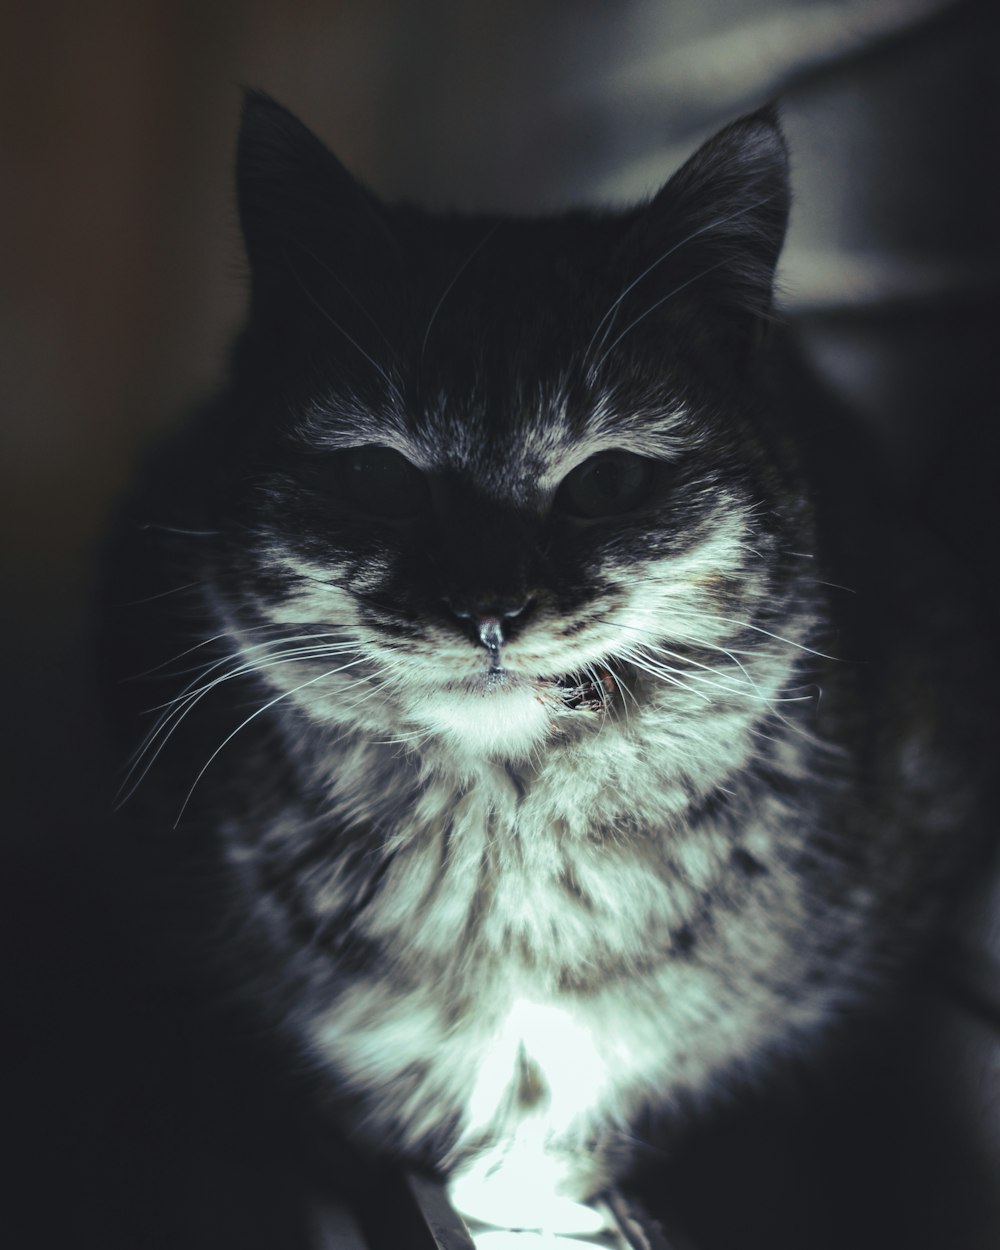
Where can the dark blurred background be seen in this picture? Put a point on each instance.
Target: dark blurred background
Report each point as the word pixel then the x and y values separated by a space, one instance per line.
pixel 123 278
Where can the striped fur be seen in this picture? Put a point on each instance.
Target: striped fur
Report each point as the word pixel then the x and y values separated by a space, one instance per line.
pixel 671 830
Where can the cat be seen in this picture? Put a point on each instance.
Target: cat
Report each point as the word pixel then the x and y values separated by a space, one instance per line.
pixel 563 721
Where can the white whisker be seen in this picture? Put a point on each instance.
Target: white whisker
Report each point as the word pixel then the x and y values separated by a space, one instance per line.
pixel 455 277
pixel 162 594
pixel 789 642
pixel 252 717
pixel 652 308
pixel 391 384
pixel 177 709
pixel 612 310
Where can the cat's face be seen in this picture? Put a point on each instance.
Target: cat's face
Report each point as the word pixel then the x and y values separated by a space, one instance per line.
pixel 507 482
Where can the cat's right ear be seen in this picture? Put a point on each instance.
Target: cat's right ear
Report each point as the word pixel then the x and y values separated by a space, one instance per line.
pixel 300 210
pixel 708 243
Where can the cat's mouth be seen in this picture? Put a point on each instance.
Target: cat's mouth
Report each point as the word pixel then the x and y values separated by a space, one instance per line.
pixel 600 687
pixel 597 688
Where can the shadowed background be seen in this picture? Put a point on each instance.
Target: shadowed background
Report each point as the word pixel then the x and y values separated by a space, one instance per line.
pixel 123 281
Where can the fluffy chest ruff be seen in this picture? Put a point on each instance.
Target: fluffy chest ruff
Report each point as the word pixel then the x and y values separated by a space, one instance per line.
pixel 510 968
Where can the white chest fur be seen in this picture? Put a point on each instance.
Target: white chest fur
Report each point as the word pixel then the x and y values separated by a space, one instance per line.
pixel 540 1091
pixel 527 988
pixel 552 1051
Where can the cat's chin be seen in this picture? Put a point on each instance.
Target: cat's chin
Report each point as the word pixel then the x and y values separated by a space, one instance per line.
pixel 497 715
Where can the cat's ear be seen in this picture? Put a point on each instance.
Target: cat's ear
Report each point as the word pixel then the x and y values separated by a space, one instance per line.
pixel 299 207
pixel 713 234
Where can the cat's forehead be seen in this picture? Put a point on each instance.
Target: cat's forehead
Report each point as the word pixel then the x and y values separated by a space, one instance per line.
pixel 530 436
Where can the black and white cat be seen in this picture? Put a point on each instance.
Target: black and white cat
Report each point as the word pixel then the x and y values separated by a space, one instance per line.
pixel 552 771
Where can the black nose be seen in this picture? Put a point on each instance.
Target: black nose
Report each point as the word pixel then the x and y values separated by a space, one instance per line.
pixel 489 623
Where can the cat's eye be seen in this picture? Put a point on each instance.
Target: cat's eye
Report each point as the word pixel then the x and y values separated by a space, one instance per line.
pixel 609 484
pixel 382 482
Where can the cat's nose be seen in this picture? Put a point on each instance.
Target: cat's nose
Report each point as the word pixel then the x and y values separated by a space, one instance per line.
pixel 489 623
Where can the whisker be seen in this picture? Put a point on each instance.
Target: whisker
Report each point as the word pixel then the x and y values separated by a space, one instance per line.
pixel 645 646
pixel 178 708
pixel 721 651
pixel 208 667
pixel 624 691
pixel 789 642
pixel 252 717
pixel 156 668
pixel 390 382
pixel 652 308
pixel 712 225
pixel 205 642
pixel 162 594
pixel 317 260
pixel 455 277
pixel 595 681
pixel 243 629
pixel 177 529
pixel 278 657
pixel 645 666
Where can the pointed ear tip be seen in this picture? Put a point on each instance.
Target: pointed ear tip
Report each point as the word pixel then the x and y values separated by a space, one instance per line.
pixel 755 143
pixel 258 104
pixel 769 113
pixel 267 132
pixel 765 128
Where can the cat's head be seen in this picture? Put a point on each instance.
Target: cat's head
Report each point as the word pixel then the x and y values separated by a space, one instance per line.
pixel 504 480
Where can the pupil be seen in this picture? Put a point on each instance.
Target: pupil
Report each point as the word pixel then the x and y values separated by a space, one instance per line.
pixel 609 484
pixel 608 480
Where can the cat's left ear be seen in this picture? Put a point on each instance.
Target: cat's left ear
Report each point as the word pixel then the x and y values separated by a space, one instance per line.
pixel 300 210
pixel 713 234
